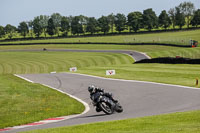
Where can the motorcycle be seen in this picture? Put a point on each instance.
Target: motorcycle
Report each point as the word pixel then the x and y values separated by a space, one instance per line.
pixel 106 104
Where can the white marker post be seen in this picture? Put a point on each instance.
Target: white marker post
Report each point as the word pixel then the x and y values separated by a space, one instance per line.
pixel 110 72
pixel 191 42
pixel 73 69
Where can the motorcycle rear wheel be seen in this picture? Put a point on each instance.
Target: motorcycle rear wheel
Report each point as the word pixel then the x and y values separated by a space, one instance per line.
pixel 119 109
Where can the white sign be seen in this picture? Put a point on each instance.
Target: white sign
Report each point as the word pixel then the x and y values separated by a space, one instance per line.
pixel 73 69
pixel 53 72
pixel 110 72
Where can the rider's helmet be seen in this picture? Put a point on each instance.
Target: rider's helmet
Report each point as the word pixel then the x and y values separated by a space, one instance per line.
pixel 91 88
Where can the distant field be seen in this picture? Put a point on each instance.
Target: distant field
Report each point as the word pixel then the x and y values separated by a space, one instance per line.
pixel 45 62
pixel 153 51
pixel 181 37
pixel 193 53
pixel 142 48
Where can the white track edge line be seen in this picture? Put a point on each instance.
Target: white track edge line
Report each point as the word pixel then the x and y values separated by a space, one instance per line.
pixel 23 78
pixel 136 81
pixel 145 54
pixel 87 108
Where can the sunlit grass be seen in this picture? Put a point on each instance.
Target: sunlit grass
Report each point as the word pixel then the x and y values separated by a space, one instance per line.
pixel 23 102
pixel 180 37
pixel 187 122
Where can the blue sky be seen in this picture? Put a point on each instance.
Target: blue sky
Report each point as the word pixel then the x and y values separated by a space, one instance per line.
pixel 15 11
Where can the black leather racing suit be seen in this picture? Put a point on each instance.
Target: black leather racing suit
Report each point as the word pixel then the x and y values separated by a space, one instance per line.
pixel 100 92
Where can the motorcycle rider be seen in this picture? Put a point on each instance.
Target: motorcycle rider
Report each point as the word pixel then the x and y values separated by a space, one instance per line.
pixel 95 92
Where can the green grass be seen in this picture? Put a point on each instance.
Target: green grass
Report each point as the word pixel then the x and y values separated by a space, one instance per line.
pixel 162 73
pixel 187 122
pixel 153 51
pixel 23 102
pixel 95 64
pixel 45 62
pixel 146 48
pixel 181 37
pixel 193 53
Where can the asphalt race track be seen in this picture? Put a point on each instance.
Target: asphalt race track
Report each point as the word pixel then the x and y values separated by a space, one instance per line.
pixel 137 98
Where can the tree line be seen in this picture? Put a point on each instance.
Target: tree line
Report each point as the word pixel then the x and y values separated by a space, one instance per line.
pixel 183 14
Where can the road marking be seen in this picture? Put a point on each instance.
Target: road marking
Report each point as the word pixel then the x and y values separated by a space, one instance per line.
pixel 135 81
pixel 23 78
pixel 144 54
pixel 5 129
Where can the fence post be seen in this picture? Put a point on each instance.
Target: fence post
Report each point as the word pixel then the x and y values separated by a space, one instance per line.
pixel 197 82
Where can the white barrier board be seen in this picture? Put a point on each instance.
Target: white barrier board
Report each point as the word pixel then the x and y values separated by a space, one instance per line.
pixel 110 72
pixel 53 72
pixel 73 69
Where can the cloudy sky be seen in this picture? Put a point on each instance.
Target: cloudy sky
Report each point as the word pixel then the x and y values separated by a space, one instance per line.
pixel 15 11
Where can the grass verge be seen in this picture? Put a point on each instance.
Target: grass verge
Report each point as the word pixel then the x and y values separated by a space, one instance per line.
pixel 23 102
pixel 179 74
pixel 187 122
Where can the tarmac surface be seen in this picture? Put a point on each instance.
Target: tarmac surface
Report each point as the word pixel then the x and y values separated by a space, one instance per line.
pixel 138 98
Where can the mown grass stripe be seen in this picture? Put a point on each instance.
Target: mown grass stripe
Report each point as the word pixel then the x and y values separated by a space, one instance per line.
pixel 40 62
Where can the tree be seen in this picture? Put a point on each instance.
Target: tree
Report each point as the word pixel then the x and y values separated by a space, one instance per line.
pixel 51 27
pixel 37 28
pixel 180 18
pixel 44 23
pixel 135 20
pixel 57 21
pixel 76 26
pixel 2 31
pixel 103 23
pixel 164 19
pixel 10 30
pixel 23 28
pixel 150 20
pixel 187 8
pixel 196 18
pixel 92 25
pixel 83 22
pixel 70 18
pixel 111 19
pixel 30 25
pixel 120 22
pixel 65 26
pixel 172 13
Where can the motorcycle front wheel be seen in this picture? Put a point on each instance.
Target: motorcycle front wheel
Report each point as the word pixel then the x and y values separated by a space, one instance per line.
pixel 106 108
